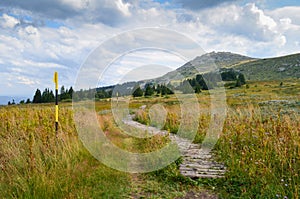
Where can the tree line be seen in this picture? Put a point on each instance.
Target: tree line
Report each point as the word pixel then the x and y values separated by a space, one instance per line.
pixel 157 90
pixel 201 82
pixel 210 80
pixel 47 96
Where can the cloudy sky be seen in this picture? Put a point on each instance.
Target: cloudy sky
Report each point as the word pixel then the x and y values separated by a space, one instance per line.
pixel 40 37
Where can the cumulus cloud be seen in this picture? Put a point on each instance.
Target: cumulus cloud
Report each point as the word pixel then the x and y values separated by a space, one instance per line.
pixel 201 4
pixel 49 8
pixel 7 21
pixel 139 65
pixel 289 13
pixel 38 37
pixel 110 12
pixel 249 21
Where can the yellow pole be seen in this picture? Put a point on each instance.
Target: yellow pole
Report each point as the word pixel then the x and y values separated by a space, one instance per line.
pixel 55 80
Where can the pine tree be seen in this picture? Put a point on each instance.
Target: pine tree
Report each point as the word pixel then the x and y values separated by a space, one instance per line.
pixel 138 92
pixel 202 82
pixel 62 90
pixel 149 90
pixel 197 88
pixel 240 80
pixel 37 97
pixel 71 92
pixel 158 89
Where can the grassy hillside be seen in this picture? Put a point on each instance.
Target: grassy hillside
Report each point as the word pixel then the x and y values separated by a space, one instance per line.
pixel 204 63
pixel 278 68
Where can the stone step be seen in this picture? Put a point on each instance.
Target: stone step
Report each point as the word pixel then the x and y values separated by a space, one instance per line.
pixel 198 157
pixel 211 171
pixel 201 166
pixel 194 175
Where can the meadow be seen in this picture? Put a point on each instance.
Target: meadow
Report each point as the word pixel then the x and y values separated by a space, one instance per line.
pixel 259 144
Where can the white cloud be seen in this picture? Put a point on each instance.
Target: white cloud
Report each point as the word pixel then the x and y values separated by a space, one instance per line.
pixel 248 21
pixel 7 21
pixel 123 7
pixel 26 81
pixel 201 4
pixel 291 13
pixel 32 46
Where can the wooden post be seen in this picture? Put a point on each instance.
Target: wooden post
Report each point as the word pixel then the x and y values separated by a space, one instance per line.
pixel 55 79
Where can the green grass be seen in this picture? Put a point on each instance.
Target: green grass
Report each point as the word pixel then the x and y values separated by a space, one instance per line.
pixel 36 164
pixel 260 145
pixel 279 68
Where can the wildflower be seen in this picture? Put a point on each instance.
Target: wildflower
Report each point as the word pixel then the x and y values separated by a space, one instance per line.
pixel 277 195
pixel 285 197
pixel 282 180
pixel 286 185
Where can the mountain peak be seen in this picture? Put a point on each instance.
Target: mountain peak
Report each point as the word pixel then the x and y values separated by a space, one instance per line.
pixel 205 63
pixel 212 60
pixel 221 56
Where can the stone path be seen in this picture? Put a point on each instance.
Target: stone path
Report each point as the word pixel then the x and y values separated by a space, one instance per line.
pixel 197 163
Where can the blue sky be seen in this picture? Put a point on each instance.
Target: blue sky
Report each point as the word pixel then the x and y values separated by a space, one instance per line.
pixel 40 37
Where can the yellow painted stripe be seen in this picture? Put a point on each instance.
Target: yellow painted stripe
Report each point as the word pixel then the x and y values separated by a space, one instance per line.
pixel 55 80
pixel 56 113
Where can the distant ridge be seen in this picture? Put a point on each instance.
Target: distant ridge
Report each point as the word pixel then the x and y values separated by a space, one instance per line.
pixel 278 68
pixel 204 63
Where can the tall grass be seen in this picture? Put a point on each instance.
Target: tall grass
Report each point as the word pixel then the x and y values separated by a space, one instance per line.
pixel 37 163
pixel 171 123
pixel 261 151
pixel 262 155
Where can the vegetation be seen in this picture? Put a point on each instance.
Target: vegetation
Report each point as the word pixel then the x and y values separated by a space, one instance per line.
pixel 271 69
pixel 138 92
pixel 259 145
pixel 35 163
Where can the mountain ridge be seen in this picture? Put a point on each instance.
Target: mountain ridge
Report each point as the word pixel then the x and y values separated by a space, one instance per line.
pixel 256 69
pixel 259 69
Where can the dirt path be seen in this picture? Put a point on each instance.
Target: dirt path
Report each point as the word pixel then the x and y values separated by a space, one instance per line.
pixel 197 163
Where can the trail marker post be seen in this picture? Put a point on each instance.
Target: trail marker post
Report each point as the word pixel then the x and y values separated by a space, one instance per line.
pixel 55 80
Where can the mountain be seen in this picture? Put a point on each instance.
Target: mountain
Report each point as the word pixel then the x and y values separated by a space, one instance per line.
pixel 203 64
pixel 271 69
pixel 231 64
pixel 277 68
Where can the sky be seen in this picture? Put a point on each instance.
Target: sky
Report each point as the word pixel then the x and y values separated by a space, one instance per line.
pixel 40 37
